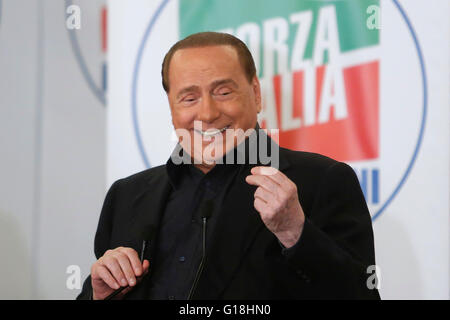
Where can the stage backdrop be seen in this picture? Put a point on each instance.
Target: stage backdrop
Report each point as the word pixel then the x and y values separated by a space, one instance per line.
pixel 365 82
pixel 52 144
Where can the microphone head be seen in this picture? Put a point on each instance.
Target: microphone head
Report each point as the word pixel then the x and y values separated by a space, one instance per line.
pixel 146 232
pixel 207 209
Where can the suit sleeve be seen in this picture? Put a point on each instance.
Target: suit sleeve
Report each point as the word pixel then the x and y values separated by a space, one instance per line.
pixel 102 237
pixel 336 245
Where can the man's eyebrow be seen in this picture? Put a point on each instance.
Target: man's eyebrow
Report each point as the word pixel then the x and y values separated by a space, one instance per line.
pixel 187 89
pixel 217 83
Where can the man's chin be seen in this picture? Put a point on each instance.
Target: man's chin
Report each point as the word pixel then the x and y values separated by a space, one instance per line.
pixel 210 154
pixel 210 157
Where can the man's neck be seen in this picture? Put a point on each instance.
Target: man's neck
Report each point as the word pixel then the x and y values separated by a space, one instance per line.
pixel 205 168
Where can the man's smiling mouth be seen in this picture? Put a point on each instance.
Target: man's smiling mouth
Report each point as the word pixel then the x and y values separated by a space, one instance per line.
pixel 211 132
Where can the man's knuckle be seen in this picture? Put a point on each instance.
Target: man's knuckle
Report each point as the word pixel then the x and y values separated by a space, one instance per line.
pixel 277 204
pixel 111 264
pixel 293 189
pixel 128 250
pixel 125 250
pixel 115 256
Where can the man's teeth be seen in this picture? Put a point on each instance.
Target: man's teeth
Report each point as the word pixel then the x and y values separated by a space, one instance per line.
pixel 210 133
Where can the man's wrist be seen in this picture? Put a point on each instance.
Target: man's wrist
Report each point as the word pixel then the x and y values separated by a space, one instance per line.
pixel 289 238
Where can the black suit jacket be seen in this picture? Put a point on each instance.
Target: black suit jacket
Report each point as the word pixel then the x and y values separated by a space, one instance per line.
pixel 244 259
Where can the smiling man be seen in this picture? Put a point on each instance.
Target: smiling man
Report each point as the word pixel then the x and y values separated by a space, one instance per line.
pixel 295 228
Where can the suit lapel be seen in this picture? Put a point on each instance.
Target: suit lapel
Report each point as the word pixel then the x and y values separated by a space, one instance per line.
pixel 149 207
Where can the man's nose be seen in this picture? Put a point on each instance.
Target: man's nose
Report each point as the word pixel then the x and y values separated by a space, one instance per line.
pixel 208 111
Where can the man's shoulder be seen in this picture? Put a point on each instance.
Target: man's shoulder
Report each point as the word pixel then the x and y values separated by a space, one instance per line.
pixel 303 160
pixel 147 174
pixel 141 179
pixel 313 167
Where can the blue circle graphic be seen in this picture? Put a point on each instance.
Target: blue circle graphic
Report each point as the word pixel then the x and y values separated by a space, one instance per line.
pixel 424 113
pixel 134 84
pixel 98 92
pixel 142 150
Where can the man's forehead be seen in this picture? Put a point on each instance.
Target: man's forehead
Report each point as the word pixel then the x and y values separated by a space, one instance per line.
pixel 208 51
pixel 207 65
pixel 222 47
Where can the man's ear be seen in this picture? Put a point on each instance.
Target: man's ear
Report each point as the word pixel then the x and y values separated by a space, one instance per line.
pixel 256 86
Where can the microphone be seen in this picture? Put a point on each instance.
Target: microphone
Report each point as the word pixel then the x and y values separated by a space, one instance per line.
pixel 207 210
pixel 146 234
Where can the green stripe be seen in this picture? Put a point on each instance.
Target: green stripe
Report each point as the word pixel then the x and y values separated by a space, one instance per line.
pixel 214 15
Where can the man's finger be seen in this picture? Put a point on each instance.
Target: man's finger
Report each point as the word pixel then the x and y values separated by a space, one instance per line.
pixel 104 274
pixel 261 181
pixel 114 268
pixel 272 173
pixel 134 260
pixel 264 170
pixel 126 267
pixel 260 206
pixel 264 195
pixel 145 266
pixel 265 182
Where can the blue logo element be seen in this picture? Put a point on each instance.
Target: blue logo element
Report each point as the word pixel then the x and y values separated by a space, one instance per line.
pixel 135 80
pixel 97 91
pixel 424 113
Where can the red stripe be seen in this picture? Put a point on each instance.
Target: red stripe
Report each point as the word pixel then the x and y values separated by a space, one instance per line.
pixel 104 26
pixel 351 139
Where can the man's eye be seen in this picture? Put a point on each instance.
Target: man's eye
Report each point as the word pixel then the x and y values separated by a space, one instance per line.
pixel 189 99
pixel 224 92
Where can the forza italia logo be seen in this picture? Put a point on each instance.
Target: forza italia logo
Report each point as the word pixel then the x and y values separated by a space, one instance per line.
pixel 319 76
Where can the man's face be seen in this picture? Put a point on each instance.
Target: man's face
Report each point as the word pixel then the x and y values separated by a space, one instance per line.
pixel 209 94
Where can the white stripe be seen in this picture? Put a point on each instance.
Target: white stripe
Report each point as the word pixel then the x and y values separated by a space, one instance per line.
pixel 359 56
pixel 351 58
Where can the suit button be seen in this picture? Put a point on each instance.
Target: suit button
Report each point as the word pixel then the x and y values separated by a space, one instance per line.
pixel 181 259
pixel 299 272
pixel 171 298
